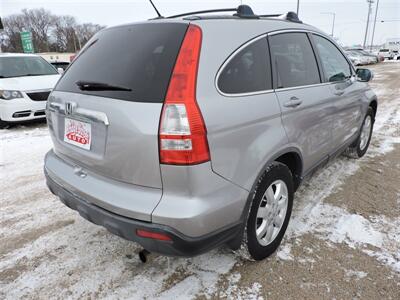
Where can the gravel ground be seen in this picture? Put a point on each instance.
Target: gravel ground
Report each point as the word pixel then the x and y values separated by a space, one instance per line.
pixel 343 240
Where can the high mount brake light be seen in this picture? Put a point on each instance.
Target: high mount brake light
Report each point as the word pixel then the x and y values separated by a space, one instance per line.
pixel 182 133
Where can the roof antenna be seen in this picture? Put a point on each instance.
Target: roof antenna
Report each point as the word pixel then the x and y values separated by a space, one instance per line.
pixel 155 8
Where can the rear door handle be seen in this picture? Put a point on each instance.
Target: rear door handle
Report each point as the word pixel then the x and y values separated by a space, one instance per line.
pixel 293 102
pixel 339 93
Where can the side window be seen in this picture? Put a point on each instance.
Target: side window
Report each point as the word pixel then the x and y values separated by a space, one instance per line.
pixel 336 67
pixel 294 60
pixel 248 71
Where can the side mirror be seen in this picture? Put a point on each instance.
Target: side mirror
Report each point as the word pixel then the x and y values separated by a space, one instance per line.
pixel 60 71
pixel 364 75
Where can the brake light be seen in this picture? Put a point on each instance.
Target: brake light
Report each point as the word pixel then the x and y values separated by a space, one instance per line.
pixel 182 133
pixel 153 235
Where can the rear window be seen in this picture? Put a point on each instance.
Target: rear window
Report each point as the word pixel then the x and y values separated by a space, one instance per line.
pixel 248 71
pixel 138 57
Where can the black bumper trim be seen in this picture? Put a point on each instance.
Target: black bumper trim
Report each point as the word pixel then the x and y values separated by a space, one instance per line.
pixel 181 245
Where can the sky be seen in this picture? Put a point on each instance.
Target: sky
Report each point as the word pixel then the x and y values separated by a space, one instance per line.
pixel 349 29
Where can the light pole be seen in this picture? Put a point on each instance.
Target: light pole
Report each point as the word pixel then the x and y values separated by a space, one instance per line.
pixel 366 27
pixel 373 30
pixel 298 5
pixel 333 20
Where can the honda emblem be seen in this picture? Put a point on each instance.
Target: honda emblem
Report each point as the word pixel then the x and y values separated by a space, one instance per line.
pixel 69 108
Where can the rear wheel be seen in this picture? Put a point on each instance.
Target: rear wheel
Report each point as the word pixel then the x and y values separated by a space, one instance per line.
pixel 360 147
pixel 270 212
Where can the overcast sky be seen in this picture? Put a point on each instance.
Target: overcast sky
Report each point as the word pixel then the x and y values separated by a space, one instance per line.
pixel 351 15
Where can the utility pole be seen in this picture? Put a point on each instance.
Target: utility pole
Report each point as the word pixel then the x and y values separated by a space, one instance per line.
pixel 373 30
pixel 366 27
pixel 333 22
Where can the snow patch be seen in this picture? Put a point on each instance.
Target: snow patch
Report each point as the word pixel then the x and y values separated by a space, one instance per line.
pixel 284 252
pixel 234 292
pixel 355 230
pixel 356 274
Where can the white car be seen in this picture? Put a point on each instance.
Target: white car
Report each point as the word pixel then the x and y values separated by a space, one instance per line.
pixel 26 81
pixel 386 54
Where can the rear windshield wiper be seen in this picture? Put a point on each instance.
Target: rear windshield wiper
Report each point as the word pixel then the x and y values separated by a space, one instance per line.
pixel 99 86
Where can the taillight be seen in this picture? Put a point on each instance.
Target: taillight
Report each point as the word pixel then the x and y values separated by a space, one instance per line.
pixel 182 133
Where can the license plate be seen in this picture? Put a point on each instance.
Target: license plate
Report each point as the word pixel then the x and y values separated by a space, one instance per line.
pixel 77 133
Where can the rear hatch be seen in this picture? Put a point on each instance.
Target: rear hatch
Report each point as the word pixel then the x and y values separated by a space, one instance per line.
pixel 104 112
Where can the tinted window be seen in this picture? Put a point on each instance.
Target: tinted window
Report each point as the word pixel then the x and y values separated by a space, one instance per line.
pixel 248 71
pixel 24 66
pixel 139 57
pixel 294 60
pixel 335 65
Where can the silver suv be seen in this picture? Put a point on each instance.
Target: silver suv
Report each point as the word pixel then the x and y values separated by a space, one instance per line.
pixel 189 132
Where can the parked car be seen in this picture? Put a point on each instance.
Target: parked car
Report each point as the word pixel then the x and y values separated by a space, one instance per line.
pixel 356 58
pixel 61 65
pixel 372 58
pixel 25 83
pixel 57 59
pixel 396 54
pixel 386 53
pixel 187 136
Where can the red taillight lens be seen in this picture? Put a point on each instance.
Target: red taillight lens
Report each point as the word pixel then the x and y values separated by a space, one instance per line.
pixel 152 235
pixel 183 134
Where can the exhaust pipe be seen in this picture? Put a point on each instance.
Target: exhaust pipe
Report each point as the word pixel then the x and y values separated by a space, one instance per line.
pixel 143 254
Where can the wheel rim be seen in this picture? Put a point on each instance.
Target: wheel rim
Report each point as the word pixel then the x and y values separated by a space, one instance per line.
pixel 271 212
pixel 365 132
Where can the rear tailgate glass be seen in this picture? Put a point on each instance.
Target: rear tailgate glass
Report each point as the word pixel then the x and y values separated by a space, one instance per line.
pixel 139 57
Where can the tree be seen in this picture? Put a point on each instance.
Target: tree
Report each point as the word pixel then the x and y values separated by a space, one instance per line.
pixel 49 32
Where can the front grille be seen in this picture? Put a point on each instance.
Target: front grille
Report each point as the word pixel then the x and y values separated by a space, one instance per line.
pixel 39 96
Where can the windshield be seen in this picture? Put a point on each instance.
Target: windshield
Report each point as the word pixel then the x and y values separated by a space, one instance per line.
pixel 24 66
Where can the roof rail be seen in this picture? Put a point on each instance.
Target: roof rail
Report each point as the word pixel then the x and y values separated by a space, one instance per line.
pixel 291 16
pixel 202 12
pixel 243 11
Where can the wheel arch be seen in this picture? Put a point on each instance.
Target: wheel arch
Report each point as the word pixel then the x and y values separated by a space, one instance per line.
pixel 291 156
pixel 374 105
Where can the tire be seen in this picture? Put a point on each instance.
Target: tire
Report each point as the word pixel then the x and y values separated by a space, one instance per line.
pixel 360 146
pixel 3 124
pixel 277 178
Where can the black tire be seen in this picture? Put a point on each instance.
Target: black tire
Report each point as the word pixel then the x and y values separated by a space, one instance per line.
pixel 3 124
pixel 277 171
pixel 355 151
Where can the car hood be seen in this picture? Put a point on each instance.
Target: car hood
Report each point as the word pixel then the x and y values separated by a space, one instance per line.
pixel 29 83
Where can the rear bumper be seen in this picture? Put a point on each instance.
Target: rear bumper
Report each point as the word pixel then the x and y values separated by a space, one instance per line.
pixel 180 244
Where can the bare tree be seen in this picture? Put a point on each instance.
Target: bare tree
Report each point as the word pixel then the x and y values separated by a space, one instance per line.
pixel 85 32
pixel 49 32
pixel 10 36
pixel 39 22
pixel 64 33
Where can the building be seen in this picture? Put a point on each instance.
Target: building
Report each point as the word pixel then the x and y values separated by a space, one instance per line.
pixel 393 44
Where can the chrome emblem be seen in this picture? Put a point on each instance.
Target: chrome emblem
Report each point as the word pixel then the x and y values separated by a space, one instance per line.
pixel 69 108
